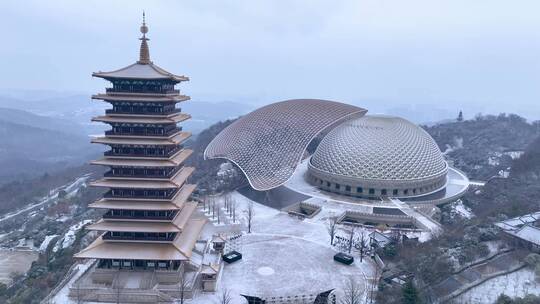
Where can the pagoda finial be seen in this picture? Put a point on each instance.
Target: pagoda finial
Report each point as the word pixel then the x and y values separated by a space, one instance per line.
pixel 144 54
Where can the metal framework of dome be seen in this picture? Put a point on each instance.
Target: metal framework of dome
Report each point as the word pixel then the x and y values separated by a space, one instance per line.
pixel 268 143
pixel 386 154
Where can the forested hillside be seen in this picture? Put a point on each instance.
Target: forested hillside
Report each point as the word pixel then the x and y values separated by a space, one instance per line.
pixel 27 151
pixel 484 146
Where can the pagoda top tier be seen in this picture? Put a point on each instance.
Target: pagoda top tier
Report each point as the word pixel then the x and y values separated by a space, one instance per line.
pixel 144 68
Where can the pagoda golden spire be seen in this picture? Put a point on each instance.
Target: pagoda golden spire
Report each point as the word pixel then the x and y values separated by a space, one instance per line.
pixel 144 54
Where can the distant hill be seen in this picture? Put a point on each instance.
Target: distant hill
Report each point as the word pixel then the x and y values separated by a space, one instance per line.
pixel 32 145
pixel 486 145
pixel 42 122
pixel 80 108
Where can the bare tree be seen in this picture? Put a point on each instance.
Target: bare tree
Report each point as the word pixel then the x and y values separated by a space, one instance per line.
pixel 225 297
pixel 362 245
pixel 213 208
pixel 233 210
pixel 332 227
pixel 374 283
pixel 352 292
pixel 218 212
pixel 182 285
pixel 250 214
pixel 351 236
pixel 227 201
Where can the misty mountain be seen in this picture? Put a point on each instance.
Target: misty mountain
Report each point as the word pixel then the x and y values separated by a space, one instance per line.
pixel 32 145
pixel 79 108
pixel 21 117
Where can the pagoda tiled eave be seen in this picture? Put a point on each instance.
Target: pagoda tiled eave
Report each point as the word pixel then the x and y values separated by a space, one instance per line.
pixel 133 226
pixel 154 199
pixel 186 188
pixel 126 118
pixel 175 182
pixel 180 249
pixel 174 161
pixel 176 134
pixel 178 138
pixel 146 71
pixel 145 225
pixel 134 98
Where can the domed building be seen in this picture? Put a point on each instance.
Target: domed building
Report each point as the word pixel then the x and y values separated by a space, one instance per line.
pixel 369 160
pixel 378 156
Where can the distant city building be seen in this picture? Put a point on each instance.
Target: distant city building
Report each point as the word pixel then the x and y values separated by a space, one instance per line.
pixel 147 223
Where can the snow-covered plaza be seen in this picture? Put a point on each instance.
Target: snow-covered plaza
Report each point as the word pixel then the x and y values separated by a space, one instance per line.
pixel 283 256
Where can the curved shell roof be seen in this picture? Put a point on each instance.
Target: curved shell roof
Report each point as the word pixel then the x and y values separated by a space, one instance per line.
pixel 379 148
pixel 268 143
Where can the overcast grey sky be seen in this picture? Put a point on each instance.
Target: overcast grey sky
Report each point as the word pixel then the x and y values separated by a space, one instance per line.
pixel 481 53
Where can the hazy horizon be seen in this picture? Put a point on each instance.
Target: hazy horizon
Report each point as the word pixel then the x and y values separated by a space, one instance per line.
pixel 447 55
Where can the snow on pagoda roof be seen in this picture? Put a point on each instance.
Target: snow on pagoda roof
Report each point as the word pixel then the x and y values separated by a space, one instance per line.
pixel 180 249
pixel 177 203
pixel 178 180
pixel 140 119
pixel 127 140
pixel 138 70
pixel 100 249
pixel 163 98
pixel 133 226
pixel 176 160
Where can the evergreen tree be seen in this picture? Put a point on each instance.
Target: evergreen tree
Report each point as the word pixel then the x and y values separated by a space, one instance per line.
pixel 504 299
pixel 410 294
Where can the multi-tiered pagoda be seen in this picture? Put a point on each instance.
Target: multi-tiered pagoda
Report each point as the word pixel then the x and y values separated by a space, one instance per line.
pixel 147 222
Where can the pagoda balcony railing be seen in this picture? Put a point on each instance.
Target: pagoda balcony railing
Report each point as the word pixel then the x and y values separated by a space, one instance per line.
pixel 136 112
pixel 138 92
pixel 143 175
pixel 140 194
pixel 142 154
pixel 139 217
pixel 145 132
pixel 108 236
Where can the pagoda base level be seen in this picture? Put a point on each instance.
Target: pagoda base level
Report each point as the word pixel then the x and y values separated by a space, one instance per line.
pixel 134 285
pixel 138 264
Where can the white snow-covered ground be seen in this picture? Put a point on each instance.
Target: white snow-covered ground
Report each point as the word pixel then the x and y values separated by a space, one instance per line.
pixel 48 239
pixel 516 284
pixel 61 297
pixel 463 210
pixel 69 237
pixel 283 256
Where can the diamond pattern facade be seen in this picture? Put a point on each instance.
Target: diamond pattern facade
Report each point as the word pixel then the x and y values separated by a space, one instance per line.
pixel 379 155
pixel 267 144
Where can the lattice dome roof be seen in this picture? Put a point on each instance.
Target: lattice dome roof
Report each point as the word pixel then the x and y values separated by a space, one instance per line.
pixel 268 143
pixel 379 148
